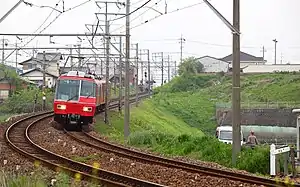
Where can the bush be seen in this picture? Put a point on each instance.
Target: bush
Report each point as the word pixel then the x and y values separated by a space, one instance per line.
pixel 24 101
pixel 204 148
pixel 187 83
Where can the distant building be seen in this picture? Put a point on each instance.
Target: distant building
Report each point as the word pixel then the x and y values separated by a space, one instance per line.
pixel 245 60
pixel 51 61
pixel 36 76
pixel 213 65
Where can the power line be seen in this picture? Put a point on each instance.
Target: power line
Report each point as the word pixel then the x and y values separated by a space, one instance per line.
pixel 132 11
pixel 179 9
pixel 72 8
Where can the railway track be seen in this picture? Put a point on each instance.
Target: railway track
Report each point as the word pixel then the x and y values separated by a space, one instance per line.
pixel 17 136
pixel 108 147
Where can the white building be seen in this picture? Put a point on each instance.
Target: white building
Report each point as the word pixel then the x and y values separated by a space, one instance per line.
pixel 245 60
pixel 269 68
pixel 33 68
pixel 213 65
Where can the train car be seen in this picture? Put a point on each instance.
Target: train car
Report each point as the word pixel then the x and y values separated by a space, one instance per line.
pixel 78 98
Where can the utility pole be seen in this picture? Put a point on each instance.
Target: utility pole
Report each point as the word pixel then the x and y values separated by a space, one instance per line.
pixel 263 53
pixel 175 63
pixel 115 85
pixel 127 109
pixel 148 59
pixel 79 57
pixel 44 79
pixel 3 46
pixel 107 65
pixel 71 56
pixel 168 68
pixel 120 76
pixel 142 67
pixel 275 41
pixel 181 47
pixel 17 57
pixel 162 68
pixel 236 107
pixel 137 76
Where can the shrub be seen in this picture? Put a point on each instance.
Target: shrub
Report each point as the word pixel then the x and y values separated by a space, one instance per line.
pixel 24 101
pixel 204 148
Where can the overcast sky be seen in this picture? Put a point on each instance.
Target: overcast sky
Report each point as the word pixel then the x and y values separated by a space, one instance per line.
pixel 205 34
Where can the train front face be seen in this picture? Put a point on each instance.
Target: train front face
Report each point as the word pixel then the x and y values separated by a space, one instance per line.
pixel 75 101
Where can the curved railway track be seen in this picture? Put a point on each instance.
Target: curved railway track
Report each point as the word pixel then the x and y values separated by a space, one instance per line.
pixel 17 136
pixel 108 147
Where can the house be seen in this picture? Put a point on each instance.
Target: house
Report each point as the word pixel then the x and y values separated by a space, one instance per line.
pixel 213 65
pixel 245 60
pixel 36 75
pixel 51 62
pixel 6 86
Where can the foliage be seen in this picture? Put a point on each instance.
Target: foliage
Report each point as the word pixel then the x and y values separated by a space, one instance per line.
pixel 147 116
pixel 204 148
pixel 187 83
pixel 10 76
pixel 190 66
pixel 24 101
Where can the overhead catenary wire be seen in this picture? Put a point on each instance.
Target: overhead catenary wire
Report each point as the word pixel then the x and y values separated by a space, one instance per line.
pixel 173 11
pixel 69 9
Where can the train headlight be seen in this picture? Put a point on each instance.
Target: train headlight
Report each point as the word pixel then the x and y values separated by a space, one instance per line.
pixel 61 107
pixel 87 109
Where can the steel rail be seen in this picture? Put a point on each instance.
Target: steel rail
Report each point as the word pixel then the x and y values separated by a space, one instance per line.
pixel 133 154
pixel 35 152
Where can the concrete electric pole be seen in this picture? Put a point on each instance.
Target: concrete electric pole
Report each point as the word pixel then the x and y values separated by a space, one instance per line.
pixel 181 47
pixel 137 76
pixel 120 76
pixel 127 109
pixel 107 65
pixel 148 59
pixel 275 55
pixel 162 68
pixel 236 105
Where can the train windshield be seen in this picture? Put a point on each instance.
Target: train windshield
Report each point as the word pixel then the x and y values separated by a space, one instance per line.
pixel 67 90
pixel 88 89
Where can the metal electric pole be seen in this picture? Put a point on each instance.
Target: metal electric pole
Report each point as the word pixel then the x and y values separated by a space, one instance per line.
pixel 137 76
pixel 148 59
pixel 236 105
pixel 120 76
pixel 127 109
pixel 44 79
pixel 107 65
pixel 275 55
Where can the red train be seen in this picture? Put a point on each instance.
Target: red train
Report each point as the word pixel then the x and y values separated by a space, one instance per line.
pixel 78 98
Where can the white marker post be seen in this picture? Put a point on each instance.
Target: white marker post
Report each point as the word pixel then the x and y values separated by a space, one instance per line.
pixel 273 153
pixel 297 111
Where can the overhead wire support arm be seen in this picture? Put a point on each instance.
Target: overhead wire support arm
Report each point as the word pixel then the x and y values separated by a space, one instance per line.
pixel 11 10
pixel 225 21
pixel 53 35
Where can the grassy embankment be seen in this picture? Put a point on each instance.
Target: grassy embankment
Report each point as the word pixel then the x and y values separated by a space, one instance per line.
pixel 167 123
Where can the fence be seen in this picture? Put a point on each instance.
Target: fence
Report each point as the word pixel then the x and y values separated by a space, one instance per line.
pixel 259 105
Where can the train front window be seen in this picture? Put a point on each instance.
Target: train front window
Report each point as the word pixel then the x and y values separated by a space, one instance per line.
pixel 88 89
pixel 67 90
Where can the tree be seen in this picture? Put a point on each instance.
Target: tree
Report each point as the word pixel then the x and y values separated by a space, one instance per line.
pixel 9 75
pixel 190 66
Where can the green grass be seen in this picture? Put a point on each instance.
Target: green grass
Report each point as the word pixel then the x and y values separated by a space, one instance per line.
pixel 147 117
pixel 174 120
pixel 4 117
